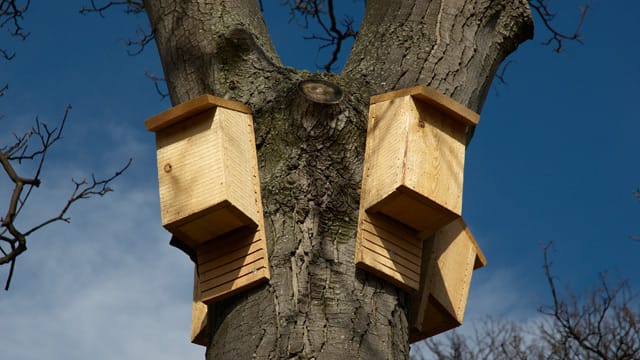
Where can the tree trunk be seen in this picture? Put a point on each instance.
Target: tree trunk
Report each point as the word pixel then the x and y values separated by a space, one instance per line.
pixel 317 305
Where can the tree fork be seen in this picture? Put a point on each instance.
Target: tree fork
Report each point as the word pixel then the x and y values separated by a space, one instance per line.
pixel 317 305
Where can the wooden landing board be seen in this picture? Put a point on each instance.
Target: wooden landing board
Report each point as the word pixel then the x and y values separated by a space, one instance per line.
pixel 449 258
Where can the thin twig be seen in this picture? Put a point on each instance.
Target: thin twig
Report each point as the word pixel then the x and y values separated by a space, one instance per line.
pixel 156 83
pixel 142 38
pixel 335 31
pixel 11 16
pixel 541 7
pixel 131 7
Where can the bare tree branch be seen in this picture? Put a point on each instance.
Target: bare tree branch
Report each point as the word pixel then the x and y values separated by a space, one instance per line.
pixel 603 325
pixel 142 38
pixel 156 83
pixel 138 45
pixel 6 55
pixel 557 39
pixel 13 241
pixel 334 31
pixel 11 16
pixel 492 339
pixel 131 7
pixel 501 73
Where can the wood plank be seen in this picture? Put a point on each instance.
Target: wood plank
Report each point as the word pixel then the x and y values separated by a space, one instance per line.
pixel 216 257
pixel 414 210
pixel 393 232
pixel 434 162
pixel 213 224
pixel 209 271
pixel 449 259
pixel 370 261
pixel 385 150
pixel 392 247
pixel 191 108
pixel 392 261
pixel 234 270
pixel 199 334
pixel 434 97
pixel 223 285
pixel 232 288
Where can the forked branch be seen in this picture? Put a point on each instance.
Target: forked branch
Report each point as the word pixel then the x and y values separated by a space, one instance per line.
pixel 557 38
pixel 334 31
pixel 131 7
pixel 11 16
pixel 34 146
pixel 143 36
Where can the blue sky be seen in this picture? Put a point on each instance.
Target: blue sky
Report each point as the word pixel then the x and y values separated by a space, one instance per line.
pixel 553 159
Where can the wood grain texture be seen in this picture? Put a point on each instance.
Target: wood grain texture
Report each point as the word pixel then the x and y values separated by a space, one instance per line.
pixel 449 258
pixel 389 250
pixel 454 109
pixel 238 260
pixel 199 333
pixel 414 158
pixel 207 175
pixel 224 269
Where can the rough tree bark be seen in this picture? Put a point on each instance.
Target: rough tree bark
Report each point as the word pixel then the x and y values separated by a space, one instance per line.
pixel 317 305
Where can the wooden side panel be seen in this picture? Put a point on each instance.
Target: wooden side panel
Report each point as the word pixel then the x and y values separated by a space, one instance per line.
pixel 435 157
pixel 199 334
pixel 385 149
pixel 240 161
pixel 449 259
pixel 230 264
pixel 389 250
pixel 238 260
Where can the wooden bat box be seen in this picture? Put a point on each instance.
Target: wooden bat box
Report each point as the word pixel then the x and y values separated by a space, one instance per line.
pixel 449 258
pixel 210 195
pixel 414 157
pixel 207 168
pixel 412 179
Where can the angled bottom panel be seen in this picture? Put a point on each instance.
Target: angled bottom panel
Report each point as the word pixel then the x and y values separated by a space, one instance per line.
pixel 449 258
